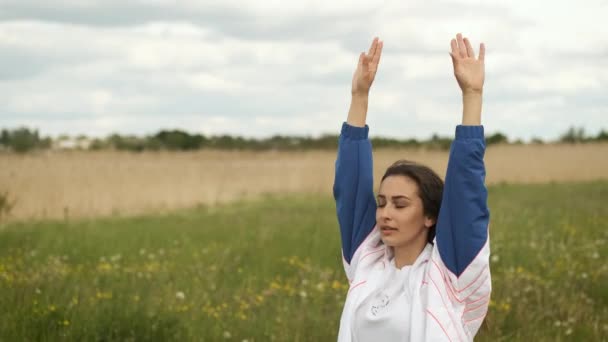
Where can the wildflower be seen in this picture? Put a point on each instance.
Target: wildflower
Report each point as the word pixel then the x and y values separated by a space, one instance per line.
pixel 495 258
pixel 180 295
pixel 227 334
pixel 103 295
pixel 104 266
pixel 303 294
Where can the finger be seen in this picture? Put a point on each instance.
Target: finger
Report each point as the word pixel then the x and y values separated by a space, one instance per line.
pixel 482 52
pixel 454 48
pixel 470 52
pixel 361 57
pixel 461 48
pixel 453 59
pixel 365 61
pixel 377 54
pixel 372 48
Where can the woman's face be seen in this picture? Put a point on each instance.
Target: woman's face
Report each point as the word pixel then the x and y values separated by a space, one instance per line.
pixel 400 214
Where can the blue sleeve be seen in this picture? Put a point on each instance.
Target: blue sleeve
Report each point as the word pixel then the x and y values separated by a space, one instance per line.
pixel 353 188
pixel 462 225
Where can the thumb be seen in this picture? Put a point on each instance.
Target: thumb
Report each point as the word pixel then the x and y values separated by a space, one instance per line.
pixel 361 58
pixel 453 59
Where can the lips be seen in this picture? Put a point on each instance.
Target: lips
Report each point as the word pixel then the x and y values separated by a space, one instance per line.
pixel 387 228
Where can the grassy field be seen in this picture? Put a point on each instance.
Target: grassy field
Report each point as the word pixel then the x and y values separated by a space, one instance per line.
pixel 271 270
pixel 92 184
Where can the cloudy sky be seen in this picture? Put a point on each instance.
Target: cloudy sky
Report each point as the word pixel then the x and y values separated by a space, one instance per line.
pixel 258 68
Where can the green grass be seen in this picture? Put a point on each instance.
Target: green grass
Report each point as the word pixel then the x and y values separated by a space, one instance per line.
pixel 271 270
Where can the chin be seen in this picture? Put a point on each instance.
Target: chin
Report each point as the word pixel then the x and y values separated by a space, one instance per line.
pixel 388 242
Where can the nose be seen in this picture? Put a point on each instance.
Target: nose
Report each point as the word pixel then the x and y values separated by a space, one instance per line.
pixel 384 214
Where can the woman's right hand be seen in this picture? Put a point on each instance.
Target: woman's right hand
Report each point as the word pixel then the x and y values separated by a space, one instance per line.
pixel 366 69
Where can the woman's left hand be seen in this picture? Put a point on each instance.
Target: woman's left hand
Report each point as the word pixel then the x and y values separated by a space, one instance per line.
pixel 469 71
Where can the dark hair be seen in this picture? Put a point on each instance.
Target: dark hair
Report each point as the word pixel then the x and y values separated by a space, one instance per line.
pixel 430 187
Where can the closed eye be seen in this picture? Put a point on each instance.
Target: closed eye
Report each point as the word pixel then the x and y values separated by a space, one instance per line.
pixel 397 206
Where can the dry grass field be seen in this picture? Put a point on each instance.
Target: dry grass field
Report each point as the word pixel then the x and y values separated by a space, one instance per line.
pixel 89 184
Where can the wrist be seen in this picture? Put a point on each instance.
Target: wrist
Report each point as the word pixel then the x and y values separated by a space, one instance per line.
pixel 359 96
pixel 471 108
pixel 472 93
pixel 358 110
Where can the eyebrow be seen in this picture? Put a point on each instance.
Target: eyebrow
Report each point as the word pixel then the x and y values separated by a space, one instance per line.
pixel 395 197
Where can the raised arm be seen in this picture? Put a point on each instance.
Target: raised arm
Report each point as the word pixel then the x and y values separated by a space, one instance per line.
pixel 463 218
pixel 353 182
pixel 462 226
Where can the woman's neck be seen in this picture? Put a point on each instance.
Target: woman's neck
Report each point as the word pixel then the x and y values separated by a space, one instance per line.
pixel 407 254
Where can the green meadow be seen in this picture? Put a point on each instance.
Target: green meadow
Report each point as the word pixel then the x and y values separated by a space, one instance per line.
pixel 271 270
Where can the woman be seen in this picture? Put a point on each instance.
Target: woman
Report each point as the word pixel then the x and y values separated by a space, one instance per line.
pixel 417 260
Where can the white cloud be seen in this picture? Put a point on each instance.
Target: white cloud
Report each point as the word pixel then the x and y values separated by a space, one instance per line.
pixel 262 68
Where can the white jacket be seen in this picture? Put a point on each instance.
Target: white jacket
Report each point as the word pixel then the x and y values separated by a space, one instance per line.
pixel 444 307
pixel 449 284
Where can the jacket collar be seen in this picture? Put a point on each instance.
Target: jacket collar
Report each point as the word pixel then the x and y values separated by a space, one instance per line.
pixel 422 258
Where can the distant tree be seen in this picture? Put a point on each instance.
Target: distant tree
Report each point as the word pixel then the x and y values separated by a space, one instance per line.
pixel 4 137
pixel 496 138
pixel 180 140
pixel 602 136
pixel 128 143
pixel 573 135
pixel 437 142
pixel 537 141
pixel 98 144
pixel 23 140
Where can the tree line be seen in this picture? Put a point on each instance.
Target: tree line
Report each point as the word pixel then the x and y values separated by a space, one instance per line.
pixel 24 139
